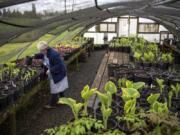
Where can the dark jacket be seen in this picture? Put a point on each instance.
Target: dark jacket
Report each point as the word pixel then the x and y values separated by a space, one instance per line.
pixel 57 66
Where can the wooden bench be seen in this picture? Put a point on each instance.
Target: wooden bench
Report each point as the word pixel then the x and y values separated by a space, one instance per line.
pixel 98 79
pixel 102 75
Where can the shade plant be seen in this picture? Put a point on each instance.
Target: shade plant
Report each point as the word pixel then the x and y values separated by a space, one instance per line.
pixel 160 83
pixel 106 101
pixel 131 118
pixel 86 93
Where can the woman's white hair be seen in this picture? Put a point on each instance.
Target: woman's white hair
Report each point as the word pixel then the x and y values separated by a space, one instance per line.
pixel 42 45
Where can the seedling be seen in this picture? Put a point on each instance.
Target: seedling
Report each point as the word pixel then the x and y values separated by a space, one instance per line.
pixel 170 95
pixel 160 83
pixel 176 89
pixel 122 82
pixel 86 93
pixel 106 112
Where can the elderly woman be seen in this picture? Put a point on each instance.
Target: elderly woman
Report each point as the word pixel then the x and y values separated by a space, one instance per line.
pixel 56 72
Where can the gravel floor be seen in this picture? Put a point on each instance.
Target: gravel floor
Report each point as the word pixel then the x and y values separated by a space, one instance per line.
pixel 33 121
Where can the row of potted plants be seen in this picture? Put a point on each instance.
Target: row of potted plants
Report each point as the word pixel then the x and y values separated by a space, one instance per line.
pixel 69 48
pixel 139 73
pixel 16 80
pixel 118 113
pixel 142 52
pixel 122 44
pixel 148 54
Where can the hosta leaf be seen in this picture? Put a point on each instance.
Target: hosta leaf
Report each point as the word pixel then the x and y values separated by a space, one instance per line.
pixel 153 98
pixel 68 101
pixel 129 84
pixel 110 87
pixel 106 111
pixel 86 93
pixel 103 98
pixel 138 85
pixel 77 107
pixel 129 93
pixel 130 106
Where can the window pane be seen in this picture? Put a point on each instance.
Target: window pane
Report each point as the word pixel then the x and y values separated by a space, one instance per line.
pixel 103 27
pixel 111 27
pixel 114 19
pixel 149 28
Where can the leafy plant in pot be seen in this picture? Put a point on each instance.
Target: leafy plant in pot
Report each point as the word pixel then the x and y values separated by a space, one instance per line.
pixel 131 121
pixel 86 93
pixel 176 89
pixel 148 58
pixel 159 116
pixel 106 101
pixel 137 56
pixel 161 85
pixel 166 59
pixel 82 126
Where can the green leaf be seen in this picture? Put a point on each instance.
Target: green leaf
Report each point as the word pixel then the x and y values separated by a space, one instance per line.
pixel 130 106
pixel 68 101
pixel 110 87
pixel 138 85
pixel 129 93
pixel 86 93
pixel 77 107
pixel 129 84
pixel 103 98
pixel 137 55
pixel 153 98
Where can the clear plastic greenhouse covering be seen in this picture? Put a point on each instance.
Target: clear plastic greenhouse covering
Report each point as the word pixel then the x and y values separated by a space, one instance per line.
pixel 26 21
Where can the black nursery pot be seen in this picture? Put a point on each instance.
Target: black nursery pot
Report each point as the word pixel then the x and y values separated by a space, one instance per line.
pixel 163 66
pixel 123 127
pixel 111 68
pixel 111 125
pixel 127 49
pixel 3 101
pixel 114 113
pixel 143 77
pixel 120 49
pixel 174 80
pixel 131 57
pixel 146 64
pixel 9 95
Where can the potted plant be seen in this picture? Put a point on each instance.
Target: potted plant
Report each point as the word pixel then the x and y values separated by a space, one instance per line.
pixel 148 59
pixel 131 121
pixel 137 56
pixel 86 93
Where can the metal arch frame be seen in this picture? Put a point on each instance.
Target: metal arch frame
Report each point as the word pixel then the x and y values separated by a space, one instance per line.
pixel 152 18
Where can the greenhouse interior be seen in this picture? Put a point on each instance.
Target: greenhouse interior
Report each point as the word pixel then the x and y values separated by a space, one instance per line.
pixel 89 67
